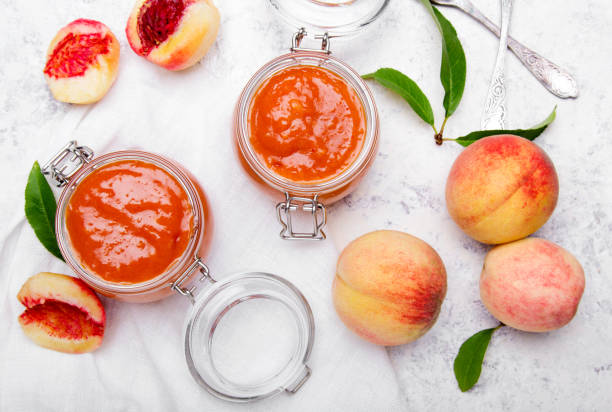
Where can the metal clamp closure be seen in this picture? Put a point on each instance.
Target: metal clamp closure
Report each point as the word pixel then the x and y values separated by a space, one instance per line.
pixel 301 380
pixel 67 162
pixel 299 36
pixel 177 284
pixel 312 206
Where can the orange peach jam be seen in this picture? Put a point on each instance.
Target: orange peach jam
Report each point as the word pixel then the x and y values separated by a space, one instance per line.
pixel 129 221
pixel 307 124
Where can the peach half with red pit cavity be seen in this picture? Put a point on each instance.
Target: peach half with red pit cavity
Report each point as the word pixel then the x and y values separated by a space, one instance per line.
pixel 174 34
pixel 82 62
pixel 62 313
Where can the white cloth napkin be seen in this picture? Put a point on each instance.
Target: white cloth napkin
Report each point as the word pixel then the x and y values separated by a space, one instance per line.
pixel 186 116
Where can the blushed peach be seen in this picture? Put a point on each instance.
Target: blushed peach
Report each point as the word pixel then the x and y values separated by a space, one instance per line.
pixel 389 287
pixel 531 284
pixel 174 34
pixel 501 188
pixel 82 62
pixel 62 313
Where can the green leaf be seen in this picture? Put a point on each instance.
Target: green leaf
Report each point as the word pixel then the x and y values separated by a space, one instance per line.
pixel 544 123
pixel 468 362
pixel 453 68
pixel 404 86
pixel 40 210
pixel 529 134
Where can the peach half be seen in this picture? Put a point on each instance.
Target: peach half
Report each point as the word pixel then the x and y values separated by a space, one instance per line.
pixel 501 188
pixel 62 313
pixel 82 62
pixel 389 287
pixel 174 34
pixel 532 285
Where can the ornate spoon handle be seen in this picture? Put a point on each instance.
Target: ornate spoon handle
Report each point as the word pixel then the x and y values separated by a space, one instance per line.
pixel 495 107
pixel 556 80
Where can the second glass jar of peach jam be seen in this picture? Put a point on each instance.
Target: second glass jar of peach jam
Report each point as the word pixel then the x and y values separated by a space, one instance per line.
pixel 306 126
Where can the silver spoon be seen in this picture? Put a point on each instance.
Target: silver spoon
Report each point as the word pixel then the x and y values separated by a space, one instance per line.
pixel 556 80
pixel 495 107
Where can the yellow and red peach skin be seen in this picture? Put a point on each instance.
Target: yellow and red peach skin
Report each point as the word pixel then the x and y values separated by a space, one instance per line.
pixel 501 188
pixel 532 285
pixel 389 287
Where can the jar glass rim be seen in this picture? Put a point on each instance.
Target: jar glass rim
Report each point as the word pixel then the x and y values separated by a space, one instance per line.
pixel 170 273
pixel 352 79
pixel 295 372
pixel 338 18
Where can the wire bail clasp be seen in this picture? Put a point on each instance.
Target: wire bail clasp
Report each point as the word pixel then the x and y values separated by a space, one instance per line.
pixel 291 205
pixel 299 36
pixel 67 162
pixel 183 291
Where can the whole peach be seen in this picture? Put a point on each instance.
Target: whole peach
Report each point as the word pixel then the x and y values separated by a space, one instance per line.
pixel 532 285
pixel 389 287
pixel 501 188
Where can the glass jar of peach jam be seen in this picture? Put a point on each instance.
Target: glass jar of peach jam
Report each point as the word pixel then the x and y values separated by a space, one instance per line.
pixel 248 336
pixel 115 247
pixel 306 125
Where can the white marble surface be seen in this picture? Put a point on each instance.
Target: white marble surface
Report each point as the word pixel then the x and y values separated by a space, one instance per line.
pixel 570 369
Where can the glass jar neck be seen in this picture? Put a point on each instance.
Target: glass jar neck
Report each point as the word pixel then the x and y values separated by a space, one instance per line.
pixel 339 18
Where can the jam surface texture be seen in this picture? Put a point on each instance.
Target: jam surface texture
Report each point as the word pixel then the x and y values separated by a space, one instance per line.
pixel 307 124
pixel 129 221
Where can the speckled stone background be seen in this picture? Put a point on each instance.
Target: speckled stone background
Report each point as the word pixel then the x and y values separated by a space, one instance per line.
pixel 566 370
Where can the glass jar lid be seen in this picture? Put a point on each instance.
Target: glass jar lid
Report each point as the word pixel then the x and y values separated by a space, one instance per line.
pixel 335 17
pixel 249 337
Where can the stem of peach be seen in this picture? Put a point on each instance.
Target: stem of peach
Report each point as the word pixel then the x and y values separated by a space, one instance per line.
pixel 439 136
pixel 443 125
